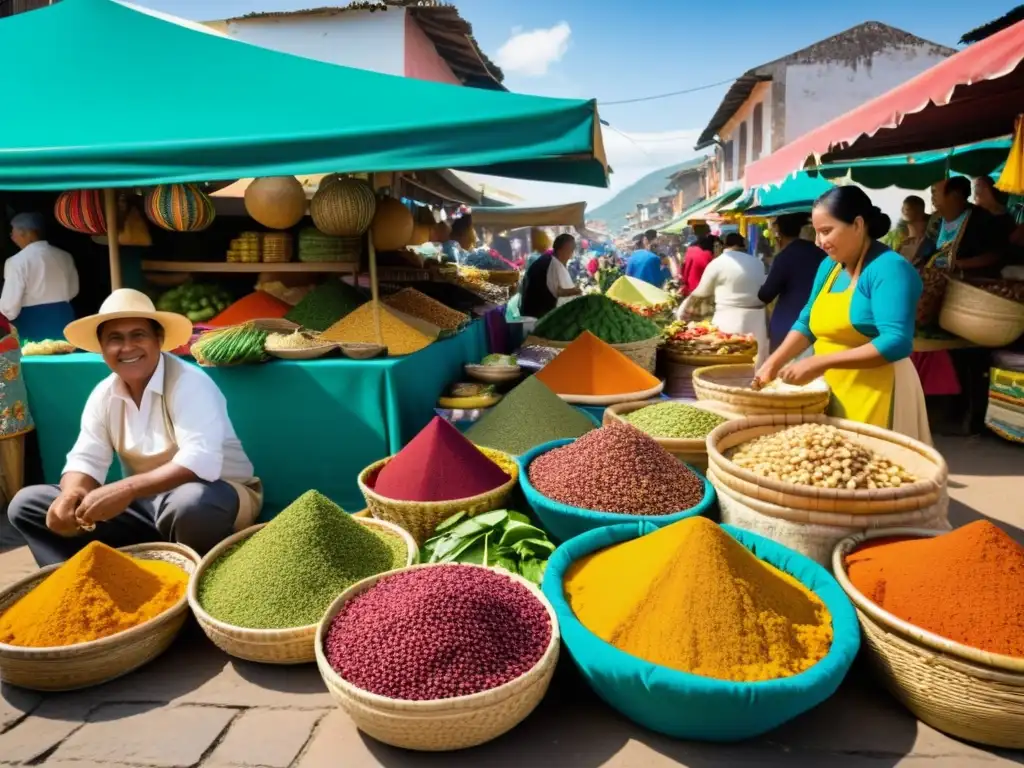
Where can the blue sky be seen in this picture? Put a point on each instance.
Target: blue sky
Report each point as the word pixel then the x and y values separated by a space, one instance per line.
pixel 620 50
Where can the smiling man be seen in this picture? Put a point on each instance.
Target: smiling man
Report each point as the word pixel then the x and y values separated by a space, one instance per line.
pixel 186 477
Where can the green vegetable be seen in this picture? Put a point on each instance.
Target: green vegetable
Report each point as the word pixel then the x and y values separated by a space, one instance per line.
pixel 603 317
pixel 674 420
pixel 501 539
pixel 236 345
pixel 194 298
pixel 286 574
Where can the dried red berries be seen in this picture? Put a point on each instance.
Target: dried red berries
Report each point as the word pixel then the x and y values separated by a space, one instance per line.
pixel 438 632
pixel 617 469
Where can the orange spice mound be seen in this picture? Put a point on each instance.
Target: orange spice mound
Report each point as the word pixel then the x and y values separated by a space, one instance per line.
pixel 966 585
pixel 589 366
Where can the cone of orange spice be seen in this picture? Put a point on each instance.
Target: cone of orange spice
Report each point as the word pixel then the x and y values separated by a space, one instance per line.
pixel 590 367
pixel 966 585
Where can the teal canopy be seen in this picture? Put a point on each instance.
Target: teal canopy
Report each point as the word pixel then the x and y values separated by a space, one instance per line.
pixel 921 170
pixel 102 94
pixel 698 211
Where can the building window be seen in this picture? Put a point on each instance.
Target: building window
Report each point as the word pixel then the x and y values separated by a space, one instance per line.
pixel 758 131
pixel 727 155
pixel 743 149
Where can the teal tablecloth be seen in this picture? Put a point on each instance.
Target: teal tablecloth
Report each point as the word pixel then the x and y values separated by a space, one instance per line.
pixel 305 424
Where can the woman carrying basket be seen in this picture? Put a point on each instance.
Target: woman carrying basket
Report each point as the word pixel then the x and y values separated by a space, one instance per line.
pixel 860 320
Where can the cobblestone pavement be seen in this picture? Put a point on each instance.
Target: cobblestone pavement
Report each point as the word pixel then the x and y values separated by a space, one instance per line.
pixel 197 707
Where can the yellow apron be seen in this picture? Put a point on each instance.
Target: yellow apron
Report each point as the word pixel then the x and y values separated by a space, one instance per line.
pixel 864 394
pixel 250 492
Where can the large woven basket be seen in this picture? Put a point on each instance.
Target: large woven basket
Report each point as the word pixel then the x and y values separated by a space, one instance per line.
pixel 671 352
pixel 643 353
pixel 921 460
pixel 70 667
pixel 693 451
pixel 343 206
pixel 981 317
pixel 445 724
pixel 420 518
pixel 269 646
pixel 966 692
pixel 815 534
pixel 730 384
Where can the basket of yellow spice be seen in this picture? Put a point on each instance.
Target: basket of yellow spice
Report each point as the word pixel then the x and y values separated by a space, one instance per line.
pixel 98 616
pixel 701 631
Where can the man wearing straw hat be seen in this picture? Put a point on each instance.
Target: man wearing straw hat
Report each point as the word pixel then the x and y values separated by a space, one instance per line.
pixel 186 477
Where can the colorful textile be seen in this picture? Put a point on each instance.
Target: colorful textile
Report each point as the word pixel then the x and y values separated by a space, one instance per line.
pixel 1005 414
pixel 179 208
pixel 15 417
pixel 81 210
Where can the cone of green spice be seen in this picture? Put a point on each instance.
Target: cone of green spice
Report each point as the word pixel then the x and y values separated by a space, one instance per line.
pixel 528 416
pixel 289 572
pixel 326 304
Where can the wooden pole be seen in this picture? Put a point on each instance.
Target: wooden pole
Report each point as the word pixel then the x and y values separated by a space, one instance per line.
pixel 374 286
pixel 113 247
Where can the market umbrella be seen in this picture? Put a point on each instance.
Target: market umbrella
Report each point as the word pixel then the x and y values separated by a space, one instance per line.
pixel 699 211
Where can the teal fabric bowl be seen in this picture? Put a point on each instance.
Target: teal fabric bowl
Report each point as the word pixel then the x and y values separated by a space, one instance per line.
pixel 564 522
pixel 687 706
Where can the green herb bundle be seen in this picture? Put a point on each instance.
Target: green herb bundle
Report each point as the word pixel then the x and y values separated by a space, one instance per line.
pixel 503 539
pixel 236 345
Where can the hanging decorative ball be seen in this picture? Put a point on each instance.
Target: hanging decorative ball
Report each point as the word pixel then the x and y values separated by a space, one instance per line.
pixel 278 202
pixel 343 206
pixel 81 210
pixel 392 225
pixel 179 207
pixel 420 234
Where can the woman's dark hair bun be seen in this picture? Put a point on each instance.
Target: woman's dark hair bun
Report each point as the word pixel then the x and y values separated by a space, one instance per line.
pixel 878 223
pixel 848 202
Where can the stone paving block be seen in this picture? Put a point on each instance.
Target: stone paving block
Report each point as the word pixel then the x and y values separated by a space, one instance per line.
pixel 52 722
pixel 244 684
pixel 137 734
pixel 15 703
pixel 265 737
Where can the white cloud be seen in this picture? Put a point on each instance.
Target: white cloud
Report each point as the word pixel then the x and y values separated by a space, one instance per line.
pixel 532 52
pixel 630 158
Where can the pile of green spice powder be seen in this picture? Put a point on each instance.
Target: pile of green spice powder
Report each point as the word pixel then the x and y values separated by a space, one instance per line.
pixel 528 416
pixel 674 420
pixel 326 304
pixel 288 573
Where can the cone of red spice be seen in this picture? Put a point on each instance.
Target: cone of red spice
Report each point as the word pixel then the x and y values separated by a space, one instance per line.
pixel 439 464
pixel 966 585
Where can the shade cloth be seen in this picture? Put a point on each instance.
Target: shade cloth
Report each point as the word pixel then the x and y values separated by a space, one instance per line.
pixel 974 95
pixel 568 215
pixel 699 211
pixel 311 424
pixel 171 118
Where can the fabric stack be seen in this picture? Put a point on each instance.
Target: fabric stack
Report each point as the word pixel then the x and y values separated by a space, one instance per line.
pixel 1005 414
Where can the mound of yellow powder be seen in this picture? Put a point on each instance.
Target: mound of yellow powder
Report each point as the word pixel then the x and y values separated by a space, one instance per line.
pixel 358 327
pixel 97 593
pixel 692 598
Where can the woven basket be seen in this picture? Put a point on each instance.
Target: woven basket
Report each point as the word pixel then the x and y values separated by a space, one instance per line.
pixel 420 518
pixel 268 646
pixel 966 692
pixel 730 384
pixel 315 247
pixel 672 353
pixel 70 667
pixel 445 724
pixel 627 397
pixel 343 206
pixel 815 534
pixel 981 317
pixel 81 210
pixel 643 353
pixel 276 248
pixel 693 451
pixel 179 207
pixel 917 458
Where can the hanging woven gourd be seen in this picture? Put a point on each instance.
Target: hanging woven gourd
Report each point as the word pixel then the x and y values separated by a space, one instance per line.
pixel 343 206
pixel 278 202
pixel 420 234
pixel 179 207
pixel 81 210
pixel 392 225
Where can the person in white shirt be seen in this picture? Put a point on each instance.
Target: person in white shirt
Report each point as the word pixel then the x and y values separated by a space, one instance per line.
pixel 733 279
pixel 547 283
pixel 39 282
pixel 186 477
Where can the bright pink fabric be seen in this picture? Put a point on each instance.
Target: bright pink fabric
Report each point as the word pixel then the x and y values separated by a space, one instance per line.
pixel 694 264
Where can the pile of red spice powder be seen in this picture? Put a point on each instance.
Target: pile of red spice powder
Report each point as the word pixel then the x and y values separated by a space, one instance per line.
pixel 966 585
pixel 438 632
pixel 439 464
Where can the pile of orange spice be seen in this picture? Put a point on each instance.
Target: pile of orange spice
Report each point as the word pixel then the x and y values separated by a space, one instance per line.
pixel 97 593
pixel 966 585
pixel 589 366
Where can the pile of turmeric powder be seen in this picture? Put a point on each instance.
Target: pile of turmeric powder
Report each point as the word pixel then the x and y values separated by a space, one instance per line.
pixel 692 598
pixel 97 593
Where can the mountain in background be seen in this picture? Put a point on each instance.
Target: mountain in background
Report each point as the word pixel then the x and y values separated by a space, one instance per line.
pixel 655 184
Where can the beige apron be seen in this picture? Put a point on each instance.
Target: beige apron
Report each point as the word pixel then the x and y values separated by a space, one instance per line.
pixel 250 492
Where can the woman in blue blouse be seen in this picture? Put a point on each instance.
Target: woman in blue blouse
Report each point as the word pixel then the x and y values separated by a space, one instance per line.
pixel 860 319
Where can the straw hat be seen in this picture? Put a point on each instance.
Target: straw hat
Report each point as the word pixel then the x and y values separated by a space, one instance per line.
pixel 124 303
